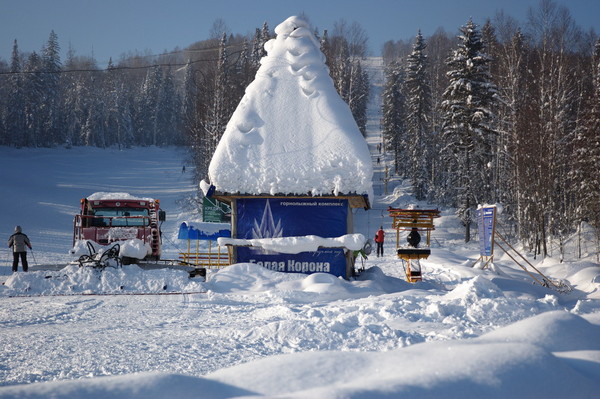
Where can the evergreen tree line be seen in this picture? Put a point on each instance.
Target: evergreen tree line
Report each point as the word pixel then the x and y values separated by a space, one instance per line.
pixel 185 97
pixel 45 103
pixel 501 115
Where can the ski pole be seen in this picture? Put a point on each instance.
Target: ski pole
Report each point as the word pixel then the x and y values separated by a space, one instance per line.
pixel 8 264
pixel 34 261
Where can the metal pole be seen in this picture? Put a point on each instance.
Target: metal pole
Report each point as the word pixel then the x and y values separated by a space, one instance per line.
pixel 34 260
pixel 8 263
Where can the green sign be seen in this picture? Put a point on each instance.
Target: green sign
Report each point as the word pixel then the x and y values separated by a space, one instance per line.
pixel 214 211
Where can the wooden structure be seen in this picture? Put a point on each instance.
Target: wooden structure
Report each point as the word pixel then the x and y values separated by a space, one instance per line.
pixel 207 258
pixel 413 220
pixel 200 256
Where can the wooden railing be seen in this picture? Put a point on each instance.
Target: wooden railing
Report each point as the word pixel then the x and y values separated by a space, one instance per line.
pixel 205 259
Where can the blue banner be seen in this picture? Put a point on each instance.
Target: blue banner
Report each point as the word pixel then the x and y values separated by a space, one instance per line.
pixel 487 220
pixel 282 217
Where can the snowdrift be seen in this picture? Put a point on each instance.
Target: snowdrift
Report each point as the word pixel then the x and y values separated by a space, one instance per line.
pixel 497 365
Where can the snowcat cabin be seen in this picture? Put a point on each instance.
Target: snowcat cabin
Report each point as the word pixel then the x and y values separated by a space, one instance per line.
pixel 109 220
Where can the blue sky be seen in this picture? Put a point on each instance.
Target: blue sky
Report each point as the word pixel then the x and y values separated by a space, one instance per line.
pixel 109 28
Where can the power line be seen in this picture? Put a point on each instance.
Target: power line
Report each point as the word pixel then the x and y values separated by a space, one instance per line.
pixel 125 68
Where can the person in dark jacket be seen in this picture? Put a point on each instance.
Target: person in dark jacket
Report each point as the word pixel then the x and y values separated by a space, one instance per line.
pixel 19 243
pixel 414 238
pixel 379 238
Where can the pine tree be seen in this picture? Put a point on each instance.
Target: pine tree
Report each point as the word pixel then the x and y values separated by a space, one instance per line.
pixel 192 120
pixel 147 108
pixel 16 118
pixel 341 72
pixel 119 122
pixel 126 121
pixel 168 107
pixel 261 36
pixel 358 95
pixel 265 36
pixel 51 67
pixel 325 47
pixel 244 70
pixel 418 130
pixel 468 132
pixel 393 114
pixel 219 108
pixel 257 50
pixel 33 92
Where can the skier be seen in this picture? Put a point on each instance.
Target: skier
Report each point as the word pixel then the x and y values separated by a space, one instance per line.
pixel 379 238
pixel 18 242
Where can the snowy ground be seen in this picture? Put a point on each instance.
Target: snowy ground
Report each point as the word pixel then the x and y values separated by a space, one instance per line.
pixel 251 332
pixel 460 332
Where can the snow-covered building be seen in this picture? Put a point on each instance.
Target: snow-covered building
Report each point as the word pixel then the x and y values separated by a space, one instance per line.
pixel 292 161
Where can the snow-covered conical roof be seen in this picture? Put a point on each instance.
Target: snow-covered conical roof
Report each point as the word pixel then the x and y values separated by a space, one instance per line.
pixel 291 132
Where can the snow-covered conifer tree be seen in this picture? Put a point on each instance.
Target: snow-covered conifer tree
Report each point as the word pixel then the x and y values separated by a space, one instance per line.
pixel 15 118
pixel 168 107
pixel 468 133
pixel 393 114
pixel 147 107
pixel 52 67
pixel 418 127
pixel 33 91
pixel 342 71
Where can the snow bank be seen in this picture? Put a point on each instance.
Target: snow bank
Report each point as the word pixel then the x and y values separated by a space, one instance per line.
pixel 553 331
pixel 73 280
pixel 501 364
pixel 291 132
pixel 495 366
pixel 553 355
pixel 136 386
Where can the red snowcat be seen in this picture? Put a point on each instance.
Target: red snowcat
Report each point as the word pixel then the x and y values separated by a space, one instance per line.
pixel 105 221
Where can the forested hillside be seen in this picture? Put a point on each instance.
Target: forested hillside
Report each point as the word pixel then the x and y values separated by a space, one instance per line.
pixel 502 113
pixel 507 112
pixel 184 97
